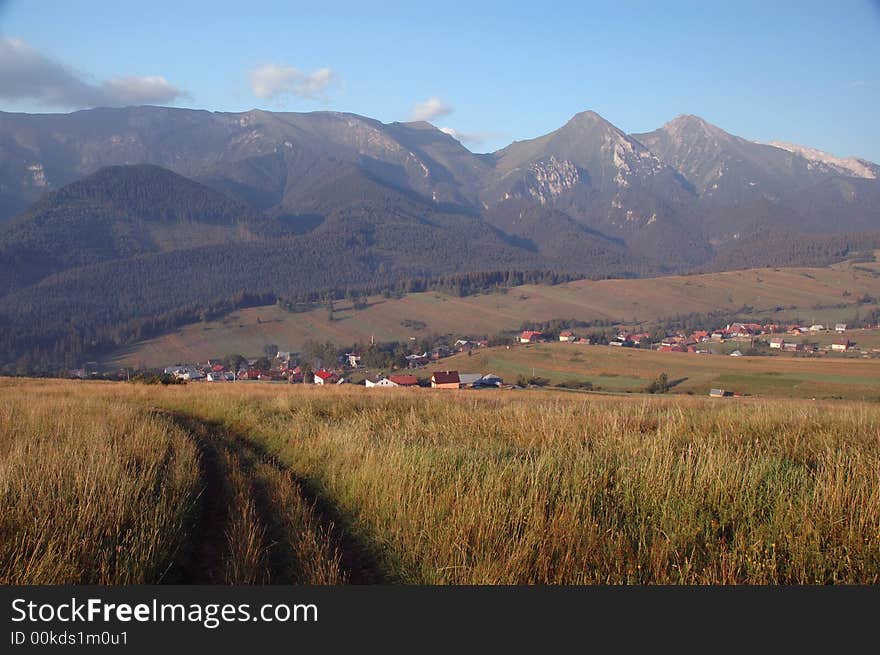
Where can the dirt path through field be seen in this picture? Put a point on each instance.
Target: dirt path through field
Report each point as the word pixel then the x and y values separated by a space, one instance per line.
pixel 259 523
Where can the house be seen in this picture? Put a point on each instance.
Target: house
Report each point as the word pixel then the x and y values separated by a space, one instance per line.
pixel 417 360
pixel 736 353
pixel 440 352
pixel 468 379
pixel 620 342
pixel 719 393
pixel 717 336
pixel 818 327
pixel 640 338
pixel 777 343
pixel 488 380
pixel 283 355
pixel 840 327
pixel 325 377
pixel 445 380
pixel 185 372
pixel 353 360
pixel 531 336
pixel 568 335
pixel 744 330
pixel 404 380
pixel 385 383
pixel 842 345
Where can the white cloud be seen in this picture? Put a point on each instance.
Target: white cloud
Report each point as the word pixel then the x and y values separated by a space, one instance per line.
pixel 26 74
pixel 857 84
pixel 471 138
pixel 273 81
pixel 430 109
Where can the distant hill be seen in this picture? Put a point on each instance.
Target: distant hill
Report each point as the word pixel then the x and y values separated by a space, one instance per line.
pixel 825 295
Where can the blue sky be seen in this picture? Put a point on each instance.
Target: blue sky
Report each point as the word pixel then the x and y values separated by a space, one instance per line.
pixel 806 72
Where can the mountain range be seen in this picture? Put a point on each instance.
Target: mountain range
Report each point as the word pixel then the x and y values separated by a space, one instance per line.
pixel 116 215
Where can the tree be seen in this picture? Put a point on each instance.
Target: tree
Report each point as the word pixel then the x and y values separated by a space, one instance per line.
pixel 235 361
pixel 660 384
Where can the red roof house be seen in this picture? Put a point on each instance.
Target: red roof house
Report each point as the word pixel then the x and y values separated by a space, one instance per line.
pixel 404 380
pixel 531 336
pixel 445 380
pixel 325 377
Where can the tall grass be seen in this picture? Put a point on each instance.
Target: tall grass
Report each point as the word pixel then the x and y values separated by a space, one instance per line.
pixel 91 491
pixel 544 488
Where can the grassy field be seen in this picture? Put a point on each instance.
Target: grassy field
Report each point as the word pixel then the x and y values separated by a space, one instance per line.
pixel 812 294
pixel 631 370
pixel 285 483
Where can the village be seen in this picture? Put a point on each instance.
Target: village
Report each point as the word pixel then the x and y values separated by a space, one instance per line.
pixel 736 339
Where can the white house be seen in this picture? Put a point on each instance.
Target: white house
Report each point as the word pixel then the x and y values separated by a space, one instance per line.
pixel 326 377
pixel 840 327
pixel 778 343
pixel 379 382
pixel 817 328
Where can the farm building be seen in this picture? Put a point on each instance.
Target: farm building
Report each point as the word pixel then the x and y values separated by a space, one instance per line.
pixel 841 346
pixel 417 360
pixel 325 377
pixel 531 336
pixel 488 380
pixel 404 380
pixel 384 383
pixel 468 379
pixel 445 380
pixel 840 327
pixel 568 335
pixel 778 343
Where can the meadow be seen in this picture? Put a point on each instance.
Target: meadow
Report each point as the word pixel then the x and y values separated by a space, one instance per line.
pixel 279 483
pixel 631 370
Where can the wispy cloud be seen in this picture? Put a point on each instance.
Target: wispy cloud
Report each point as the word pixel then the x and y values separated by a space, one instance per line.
pixel 429 110
pixel 275 81
pixel 858 84
pixel 472 138
pixel 27 74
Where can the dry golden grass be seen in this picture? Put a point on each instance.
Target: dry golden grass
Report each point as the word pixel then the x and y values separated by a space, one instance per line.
pixel 550 488
pixel 543 487
pixel 97 489
pixel 91 491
